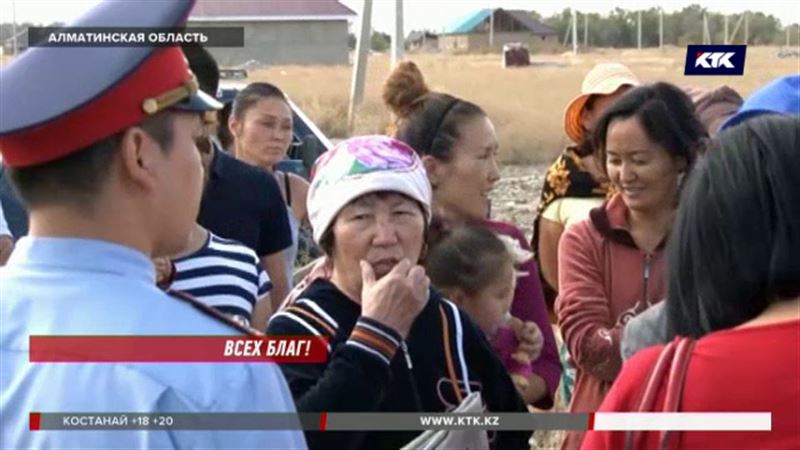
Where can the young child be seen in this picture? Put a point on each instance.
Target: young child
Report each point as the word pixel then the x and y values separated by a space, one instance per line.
pixel 475 268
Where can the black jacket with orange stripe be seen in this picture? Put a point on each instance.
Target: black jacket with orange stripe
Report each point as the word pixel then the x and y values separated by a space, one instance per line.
pixel 368 370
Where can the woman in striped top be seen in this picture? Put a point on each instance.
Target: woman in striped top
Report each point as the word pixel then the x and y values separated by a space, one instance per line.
pixel 221 273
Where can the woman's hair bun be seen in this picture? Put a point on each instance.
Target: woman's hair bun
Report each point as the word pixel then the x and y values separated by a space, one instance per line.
pixel 404 87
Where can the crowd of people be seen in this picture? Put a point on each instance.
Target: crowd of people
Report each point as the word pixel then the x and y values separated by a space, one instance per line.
pixel 135 208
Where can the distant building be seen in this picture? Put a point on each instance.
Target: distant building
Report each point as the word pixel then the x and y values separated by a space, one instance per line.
pixel 279 31
pixel 490 29
pixel 422 41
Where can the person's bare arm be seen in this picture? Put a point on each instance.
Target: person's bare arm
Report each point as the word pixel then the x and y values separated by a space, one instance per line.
pixel 535 390
pixel 549 235
pixel 299 194
pixel 531 341
pixel 275 266
pixel 261 313
pixel 6 246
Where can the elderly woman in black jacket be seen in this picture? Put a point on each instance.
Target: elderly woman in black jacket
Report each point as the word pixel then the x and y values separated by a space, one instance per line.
pixel 395 344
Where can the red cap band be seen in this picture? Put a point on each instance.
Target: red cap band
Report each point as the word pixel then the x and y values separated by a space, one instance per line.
pixel 115 110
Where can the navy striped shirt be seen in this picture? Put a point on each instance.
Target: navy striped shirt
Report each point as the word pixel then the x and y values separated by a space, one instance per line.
pixel 223 274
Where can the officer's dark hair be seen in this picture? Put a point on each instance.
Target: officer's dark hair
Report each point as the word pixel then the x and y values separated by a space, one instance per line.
pixel 666 114
pixel 252 94
pixel 733 249
pixel 78 178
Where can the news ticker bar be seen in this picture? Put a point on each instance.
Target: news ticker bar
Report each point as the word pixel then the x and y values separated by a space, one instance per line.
pixel 738 421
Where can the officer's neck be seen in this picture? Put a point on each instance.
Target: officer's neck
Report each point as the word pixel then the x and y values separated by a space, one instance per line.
pixel 64 222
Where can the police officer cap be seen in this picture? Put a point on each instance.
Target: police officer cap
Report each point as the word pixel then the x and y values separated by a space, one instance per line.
pixel 58 100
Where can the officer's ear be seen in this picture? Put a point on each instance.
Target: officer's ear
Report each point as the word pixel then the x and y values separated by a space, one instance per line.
pixel 139 153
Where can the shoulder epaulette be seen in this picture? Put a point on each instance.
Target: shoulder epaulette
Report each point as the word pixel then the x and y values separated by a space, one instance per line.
pixel 209 311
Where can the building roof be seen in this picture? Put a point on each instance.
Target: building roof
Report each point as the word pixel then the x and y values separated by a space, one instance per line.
pixel 270 10
pixel 530 23
pixel 417 35
pixel 467 24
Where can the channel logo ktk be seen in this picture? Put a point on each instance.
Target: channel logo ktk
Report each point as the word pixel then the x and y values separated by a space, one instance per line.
pixel 715 59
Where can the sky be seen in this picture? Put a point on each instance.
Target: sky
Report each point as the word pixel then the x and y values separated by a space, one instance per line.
pixel 432 14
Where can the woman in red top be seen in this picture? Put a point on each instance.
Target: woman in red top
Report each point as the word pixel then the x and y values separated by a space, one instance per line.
pixel 458 145
pixel 734 283
pixel 611 265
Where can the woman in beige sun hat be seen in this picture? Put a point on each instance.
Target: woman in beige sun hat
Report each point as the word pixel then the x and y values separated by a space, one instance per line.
pixel 575 183
pixel 601 87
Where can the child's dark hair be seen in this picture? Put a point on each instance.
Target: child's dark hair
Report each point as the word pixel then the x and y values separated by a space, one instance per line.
pixel 467 258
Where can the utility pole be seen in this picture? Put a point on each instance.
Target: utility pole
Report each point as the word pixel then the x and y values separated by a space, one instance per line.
pixel 14 26
pixel 586 31
pixel 725 40
pixel 574 32
pixel 360 69
pixel 639 30
pixel 736 28
pixel 398 38
pixel 566 35
pixel 746 27
pixel 660 28
pixel 491 30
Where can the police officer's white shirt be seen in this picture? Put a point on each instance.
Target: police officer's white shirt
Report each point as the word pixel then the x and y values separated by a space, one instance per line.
pixel 86 287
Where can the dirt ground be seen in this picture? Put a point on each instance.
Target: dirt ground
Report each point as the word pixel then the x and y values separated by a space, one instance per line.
pixel 516 194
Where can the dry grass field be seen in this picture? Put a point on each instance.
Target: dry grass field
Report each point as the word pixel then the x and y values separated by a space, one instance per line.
pixel 526 104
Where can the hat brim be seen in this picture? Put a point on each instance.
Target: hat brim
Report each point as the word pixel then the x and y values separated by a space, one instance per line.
pixel 572 114
pixel 198 102
pixel 572 118
pixel 323 215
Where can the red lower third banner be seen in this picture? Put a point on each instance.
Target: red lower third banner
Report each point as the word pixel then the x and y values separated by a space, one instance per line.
pixel 290 349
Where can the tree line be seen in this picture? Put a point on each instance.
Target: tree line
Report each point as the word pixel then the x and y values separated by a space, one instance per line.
pixel 619 27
